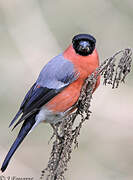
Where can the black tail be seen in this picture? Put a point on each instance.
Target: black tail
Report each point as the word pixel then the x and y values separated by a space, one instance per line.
pixel 26 127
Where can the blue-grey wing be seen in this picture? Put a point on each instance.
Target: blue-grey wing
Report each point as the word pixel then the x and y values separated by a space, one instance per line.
pixel 54 77
pixel 27 97
pixel 57 73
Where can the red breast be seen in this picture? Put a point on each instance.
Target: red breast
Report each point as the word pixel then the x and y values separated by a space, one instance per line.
pixel 85 65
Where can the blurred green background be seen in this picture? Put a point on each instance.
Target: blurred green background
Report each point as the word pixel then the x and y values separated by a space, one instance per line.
pixel 31 33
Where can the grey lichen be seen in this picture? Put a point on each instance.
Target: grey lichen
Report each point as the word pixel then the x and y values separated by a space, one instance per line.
pixel 113 70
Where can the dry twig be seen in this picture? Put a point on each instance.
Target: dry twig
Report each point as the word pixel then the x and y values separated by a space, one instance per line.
pixel 114 70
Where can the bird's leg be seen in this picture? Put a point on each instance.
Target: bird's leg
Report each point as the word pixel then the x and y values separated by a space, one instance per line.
pixel 61 138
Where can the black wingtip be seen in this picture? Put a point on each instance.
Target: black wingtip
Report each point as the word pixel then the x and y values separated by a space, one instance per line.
pixel 15 118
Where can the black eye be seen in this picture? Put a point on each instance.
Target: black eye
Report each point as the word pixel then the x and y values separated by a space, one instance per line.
pixel 84 44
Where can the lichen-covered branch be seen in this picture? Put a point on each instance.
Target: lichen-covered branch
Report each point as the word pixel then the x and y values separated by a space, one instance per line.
pixel 113 70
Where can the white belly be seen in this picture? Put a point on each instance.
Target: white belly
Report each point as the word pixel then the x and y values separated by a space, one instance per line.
pixel 48 116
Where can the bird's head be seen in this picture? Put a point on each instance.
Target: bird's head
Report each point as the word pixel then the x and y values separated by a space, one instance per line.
pixel 82 53
pixel 83 44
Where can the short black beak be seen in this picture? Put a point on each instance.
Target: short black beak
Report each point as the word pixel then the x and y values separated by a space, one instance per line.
pixel 84 45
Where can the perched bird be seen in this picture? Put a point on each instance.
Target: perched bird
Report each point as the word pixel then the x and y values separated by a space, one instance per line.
pixel 57 88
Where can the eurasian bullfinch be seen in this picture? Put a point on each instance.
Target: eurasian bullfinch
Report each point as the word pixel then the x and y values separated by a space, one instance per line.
pixel 57 88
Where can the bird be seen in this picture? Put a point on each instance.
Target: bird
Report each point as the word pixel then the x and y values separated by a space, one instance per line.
pixel 57 88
